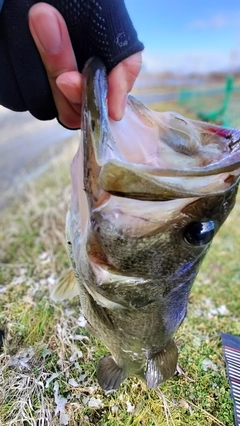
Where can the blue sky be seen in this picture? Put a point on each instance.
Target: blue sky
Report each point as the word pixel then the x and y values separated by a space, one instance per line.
pixel 186 35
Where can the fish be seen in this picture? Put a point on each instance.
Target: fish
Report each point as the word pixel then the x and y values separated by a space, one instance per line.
pixel 149 193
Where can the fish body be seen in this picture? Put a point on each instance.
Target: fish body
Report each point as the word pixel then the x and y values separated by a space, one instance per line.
pixel 148 195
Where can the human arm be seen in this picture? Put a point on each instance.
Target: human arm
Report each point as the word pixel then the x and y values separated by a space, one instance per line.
pixel 29 85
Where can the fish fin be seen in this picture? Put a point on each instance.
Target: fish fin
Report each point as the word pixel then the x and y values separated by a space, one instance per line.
pixel 66 287
pixel 109 374
pixel 162 366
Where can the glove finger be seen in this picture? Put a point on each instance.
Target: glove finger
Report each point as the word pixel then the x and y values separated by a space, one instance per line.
pixel 10 95
pixel 30 81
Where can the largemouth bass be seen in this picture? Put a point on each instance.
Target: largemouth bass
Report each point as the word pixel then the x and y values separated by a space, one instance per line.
pixel 148 195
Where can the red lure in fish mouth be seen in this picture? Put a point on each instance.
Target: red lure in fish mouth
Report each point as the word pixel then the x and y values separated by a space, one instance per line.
pixel 233 135
pixel 148 195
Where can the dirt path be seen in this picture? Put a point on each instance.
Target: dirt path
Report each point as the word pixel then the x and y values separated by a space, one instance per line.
pixel 26 146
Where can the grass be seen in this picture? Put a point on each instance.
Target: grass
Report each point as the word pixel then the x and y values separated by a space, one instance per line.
pixel 47 365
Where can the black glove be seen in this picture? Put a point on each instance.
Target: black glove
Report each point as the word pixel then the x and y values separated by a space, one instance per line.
pixel 23 80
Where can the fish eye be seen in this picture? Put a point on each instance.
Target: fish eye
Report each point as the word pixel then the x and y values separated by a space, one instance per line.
pixel 199 233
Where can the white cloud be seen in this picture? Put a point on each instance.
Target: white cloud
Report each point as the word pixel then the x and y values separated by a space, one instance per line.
pixel 188 61
pixel 218 21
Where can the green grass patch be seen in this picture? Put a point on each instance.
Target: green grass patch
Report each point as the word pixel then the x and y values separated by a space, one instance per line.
pixel 47 365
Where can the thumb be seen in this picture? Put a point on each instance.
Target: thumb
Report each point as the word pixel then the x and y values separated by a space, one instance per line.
pixel 120 83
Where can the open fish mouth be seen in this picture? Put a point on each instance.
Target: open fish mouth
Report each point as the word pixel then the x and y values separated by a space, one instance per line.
pixel 152 155
pixel 148 195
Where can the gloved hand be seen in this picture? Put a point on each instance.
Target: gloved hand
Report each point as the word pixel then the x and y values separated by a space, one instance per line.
pixel 96 27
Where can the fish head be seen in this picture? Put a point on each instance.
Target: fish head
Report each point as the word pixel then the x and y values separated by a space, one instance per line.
pixel 149 194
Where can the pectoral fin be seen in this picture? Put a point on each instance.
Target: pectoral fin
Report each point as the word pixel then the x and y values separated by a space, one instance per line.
pixel 109 374
pixel 66 287
pixel 162 366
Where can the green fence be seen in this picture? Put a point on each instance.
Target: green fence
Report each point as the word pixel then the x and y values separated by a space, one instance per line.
pixel 215 103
